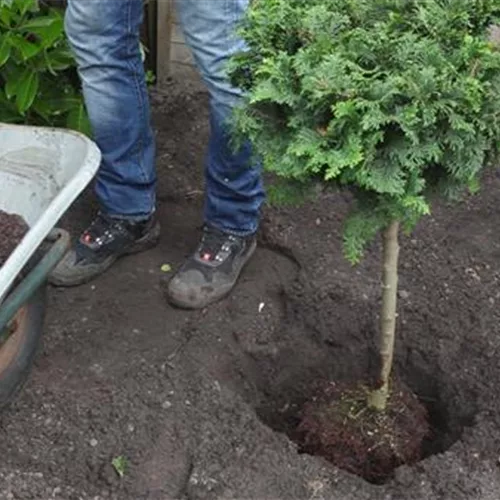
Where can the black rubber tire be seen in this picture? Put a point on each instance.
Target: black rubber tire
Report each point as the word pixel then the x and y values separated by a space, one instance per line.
pixel 19 351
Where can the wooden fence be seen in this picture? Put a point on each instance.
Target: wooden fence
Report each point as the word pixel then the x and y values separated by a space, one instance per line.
pixel 167 51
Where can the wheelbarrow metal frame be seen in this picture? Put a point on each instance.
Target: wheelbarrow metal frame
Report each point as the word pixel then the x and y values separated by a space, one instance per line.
pixel 60 242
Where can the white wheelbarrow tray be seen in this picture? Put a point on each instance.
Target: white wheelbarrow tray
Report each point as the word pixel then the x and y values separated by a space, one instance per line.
pixel 42 172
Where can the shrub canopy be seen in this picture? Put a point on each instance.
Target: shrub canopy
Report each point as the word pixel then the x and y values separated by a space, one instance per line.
pixel 394 98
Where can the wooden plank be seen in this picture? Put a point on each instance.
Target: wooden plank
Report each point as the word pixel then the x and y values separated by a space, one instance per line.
pixel 181 53
pixel 164 23
pixel 177 35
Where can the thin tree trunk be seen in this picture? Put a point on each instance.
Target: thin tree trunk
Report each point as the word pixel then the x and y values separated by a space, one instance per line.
pixel 377 399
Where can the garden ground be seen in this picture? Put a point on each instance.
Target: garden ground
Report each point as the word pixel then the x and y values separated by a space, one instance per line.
pixel 200 403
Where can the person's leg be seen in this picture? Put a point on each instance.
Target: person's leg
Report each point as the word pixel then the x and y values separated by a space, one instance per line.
pixel 104 37
pixel 234 192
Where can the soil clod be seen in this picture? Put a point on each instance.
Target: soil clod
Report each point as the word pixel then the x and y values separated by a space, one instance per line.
pixel 338 425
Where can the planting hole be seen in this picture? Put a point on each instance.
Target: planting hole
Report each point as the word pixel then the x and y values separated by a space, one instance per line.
pixel 284 408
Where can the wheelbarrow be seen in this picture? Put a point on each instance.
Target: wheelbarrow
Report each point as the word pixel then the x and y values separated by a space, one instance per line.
pixel 42 172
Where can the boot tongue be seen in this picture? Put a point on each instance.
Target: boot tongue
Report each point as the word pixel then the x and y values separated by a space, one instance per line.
pixel 211 244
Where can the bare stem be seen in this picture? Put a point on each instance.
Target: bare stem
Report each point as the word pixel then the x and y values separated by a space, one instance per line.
pixel 377 399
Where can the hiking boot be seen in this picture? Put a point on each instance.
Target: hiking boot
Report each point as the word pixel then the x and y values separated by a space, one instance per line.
pixel 105 241
pixel 212 271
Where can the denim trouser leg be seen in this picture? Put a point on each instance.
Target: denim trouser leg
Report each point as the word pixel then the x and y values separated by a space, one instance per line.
pixel 234 192
pixel 104 36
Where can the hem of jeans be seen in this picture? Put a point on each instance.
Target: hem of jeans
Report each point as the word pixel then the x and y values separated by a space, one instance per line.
pixel 233 232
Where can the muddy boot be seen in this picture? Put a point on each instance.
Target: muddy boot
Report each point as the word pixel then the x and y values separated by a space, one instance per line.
pixel 212 271
pixel 105 241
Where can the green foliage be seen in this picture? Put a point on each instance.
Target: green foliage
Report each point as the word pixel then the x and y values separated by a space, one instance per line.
pixel 38 82
pixel 395 99
pixel 288 192
pixel 150 77
pixel 121 465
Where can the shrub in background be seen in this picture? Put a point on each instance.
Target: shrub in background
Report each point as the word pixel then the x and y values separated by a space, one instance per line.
pixel 38 81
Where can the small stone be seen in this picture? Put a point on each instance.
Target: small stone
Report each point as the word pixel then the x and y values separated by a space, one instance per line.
pixel 166 405
pixel 404 294
pixel 96 369
pixel 94 442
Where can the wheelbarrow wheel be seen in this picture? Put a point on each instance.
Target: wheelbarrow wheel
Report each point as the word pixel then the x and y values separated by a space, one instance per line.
pixel 19 350
pixel 23 313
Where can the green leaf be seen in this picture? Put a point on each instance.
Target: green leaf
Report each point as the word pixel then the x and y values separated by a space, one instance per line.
pixel 26 6
pixel 361 227
pixel 56 106
pixel 27 89
pixel 4 49
pixel 78 120
pixel 59 59
pixel 27 49
pixel 12 76
pixel 120 465
pixel 47 29
pixel 8 112
pixel 5 17
pixel 39 22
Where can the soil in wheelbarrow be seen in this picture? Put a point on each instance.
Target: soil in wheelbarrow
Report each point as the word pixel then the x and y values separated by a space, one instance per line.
pixel 12 230
pixel 205 404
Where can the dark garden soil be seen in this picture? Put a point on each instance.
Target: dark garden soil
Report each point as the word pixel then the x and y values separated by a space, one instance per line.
pixel 337 424
pixel 12 231
pixel 202 404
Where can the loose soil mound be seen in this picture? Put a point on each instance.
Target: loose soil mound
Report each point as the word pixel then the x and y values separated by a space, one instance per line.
pixel 338 425
pixel 12 231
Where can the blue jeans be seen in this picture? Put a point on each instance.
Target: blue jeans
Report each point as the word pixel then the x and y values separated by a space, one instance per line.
pixel 104 36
